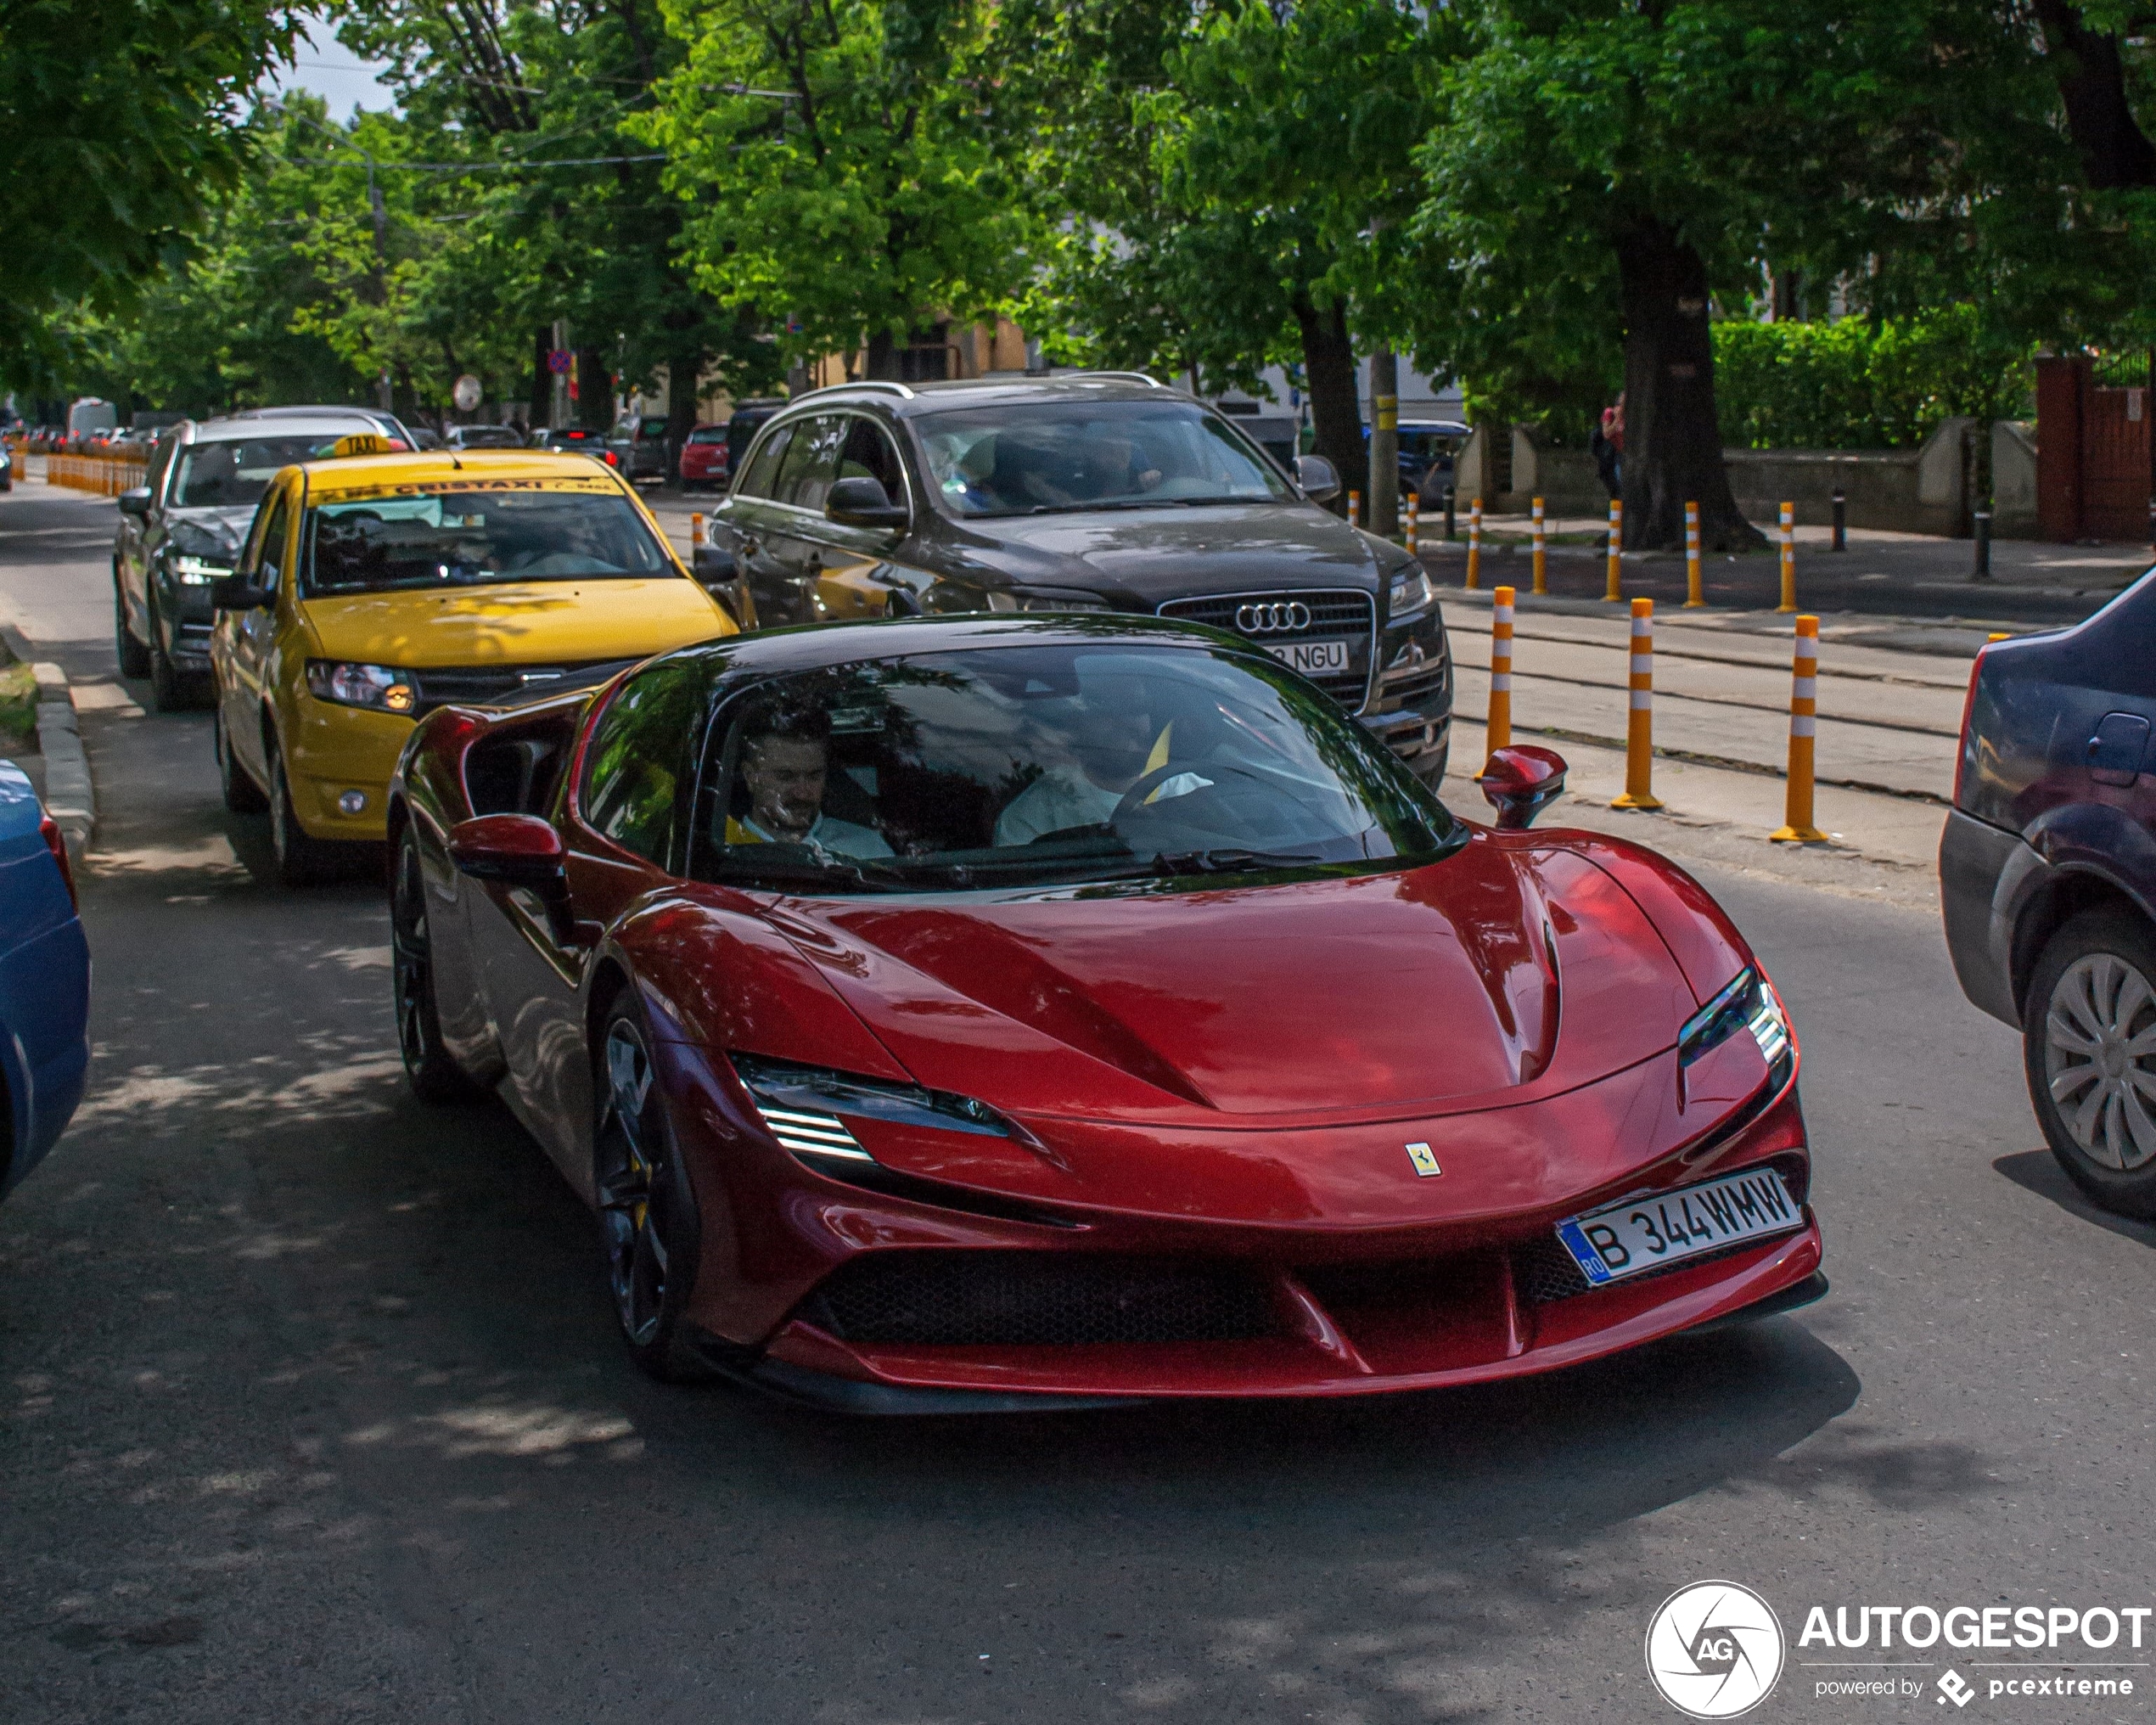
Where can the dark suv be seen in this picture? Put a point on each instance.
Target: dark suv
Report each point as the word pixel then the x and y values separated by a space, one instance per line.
pixel 1085 492
pixel 182 530
pixel 2048 876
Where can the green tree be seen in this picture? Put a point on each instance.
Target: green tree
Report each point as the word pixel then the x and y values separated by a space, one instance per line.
pixel 126 124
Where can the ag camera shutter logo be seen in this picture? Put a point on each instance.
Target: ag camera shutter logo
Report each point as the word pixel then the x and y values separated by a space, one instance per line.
pixel 1715 1649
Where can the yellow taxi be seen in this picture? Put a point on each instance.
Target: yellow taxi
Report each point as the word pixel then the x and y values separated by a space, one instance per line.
pixel 374 587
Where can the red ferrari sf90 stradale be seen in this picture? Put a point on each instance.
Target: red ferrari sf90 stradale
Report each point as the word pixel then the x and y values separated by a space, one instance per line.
pixel 1007 1011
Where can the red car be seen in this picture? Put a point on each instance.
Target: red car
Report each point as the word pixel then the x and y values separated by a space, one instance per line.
pixel 703 458
pixel 1011 1010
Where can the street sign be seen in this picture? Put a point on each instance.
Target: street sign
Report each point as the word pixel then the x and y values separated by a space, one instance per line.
pixel 557 360
pixel 468 392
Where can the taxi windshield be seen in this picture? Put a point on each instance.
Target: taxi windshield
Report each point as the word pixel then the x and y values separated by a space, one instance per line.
pixel 475 538
pixel 1067 456
pixel 1039 765
pixel 238 470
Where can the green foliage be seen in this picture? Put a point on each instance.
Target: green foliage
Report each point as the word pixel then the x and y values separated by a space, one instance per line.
pixel 1857 385
pixel 838 184
pixel 124 121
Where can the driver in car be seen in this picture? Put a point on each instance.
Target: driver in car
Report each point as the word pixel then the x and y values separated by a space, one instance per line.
pixel 1117 745
pixel 784 761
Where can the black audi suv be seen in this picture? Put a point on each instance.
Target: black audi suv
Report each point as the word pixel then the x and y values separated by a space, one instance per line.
pixel 1090 492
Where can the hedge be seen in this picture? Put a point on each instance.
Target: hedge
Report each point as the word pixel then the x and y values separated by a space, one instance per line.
pixel 1857 385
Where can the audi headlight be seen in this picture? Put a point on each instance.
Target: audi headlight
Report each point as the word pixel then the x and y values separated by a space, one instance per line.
pixel 1411 595
pixel 1749 1004
pixel 806 1107
pixel 348 685
pixel 199 571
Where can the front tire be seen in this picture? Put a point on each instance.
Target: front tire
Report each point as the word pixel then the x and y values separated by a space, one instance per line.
pixel 433 1071
pixel 2089 1047
pixel 133 656
pixel 301 860
pixel 648 1215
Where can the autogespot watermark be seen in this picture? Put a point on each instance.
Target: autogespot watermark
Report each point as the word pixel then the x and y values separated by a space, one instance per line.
pixel 1716 1650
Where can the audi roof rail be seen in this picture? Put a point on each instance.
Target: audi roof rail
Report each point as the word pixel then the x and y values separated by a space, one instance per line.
pixel 1135 377
pixel 896 388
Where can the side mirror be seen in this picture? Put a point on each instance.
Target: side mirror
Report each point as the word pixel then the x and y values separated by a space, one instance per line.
pixel 516 851
pixel 1319 479
pixel 861 501
pixel 1520 782
pixel 134 501
pixel 238 593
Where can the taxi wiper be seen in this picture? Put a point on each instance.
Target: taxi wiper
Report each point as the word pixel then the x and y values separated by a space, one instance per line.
pixel 1229 860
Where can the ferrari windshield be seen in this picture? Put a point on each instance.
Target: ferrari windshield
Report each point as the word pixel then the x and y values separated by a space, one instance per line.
pixel 239 469
pixel 1055 456
pixel 477 537
pixel 1037 765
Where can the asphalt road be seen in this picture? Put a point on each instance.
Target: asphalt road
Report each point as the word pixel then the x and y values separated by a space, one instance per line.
pixel 313 1407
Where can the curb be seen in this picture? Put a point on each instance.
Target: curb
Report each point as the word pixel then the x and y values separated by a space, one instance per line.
pixel 70 798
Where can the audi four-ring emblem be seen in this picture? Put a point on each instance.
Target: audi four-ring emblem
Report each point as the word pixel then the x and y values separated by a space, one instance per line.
pixel 1275 617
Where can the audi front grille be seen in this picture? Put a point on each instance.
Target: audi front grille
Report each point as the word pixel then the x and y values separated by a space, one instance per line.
pixel 1276 619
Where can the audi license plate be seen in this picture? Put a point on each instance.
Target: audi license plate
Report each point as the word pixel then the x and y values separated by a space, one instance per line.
pixel 1644 1233
pixel 1311 658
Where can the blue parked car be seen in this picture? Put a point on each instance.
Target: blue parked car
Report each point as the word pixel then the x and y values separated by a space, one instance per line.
pixel 44 980
pixel 2047 877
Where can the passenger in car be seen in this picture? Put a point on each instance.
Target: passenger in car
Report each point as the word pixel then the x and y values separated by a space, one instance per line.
pixel 785 763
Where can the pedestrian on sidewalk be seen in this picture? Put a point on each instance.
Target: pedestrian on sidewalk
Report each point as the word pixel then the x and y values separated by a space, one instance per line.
pixel 1607 443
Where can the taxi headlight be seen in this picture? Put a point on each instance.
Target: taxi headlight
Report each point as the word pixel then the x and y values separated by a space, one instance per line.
pixel 1410 595
pixel 349 685
pixel 199 571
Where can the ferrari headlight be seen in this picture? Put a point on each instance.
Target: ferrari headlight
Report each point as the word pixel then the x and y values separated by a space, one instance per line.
pixel 199 571
pixel 348 685
pixel 1410 594
pixel 806 1107
pixel 1749 1004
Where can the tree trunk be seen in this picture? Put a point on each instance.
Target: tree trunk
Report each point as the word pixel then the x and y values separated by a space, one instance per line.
pixel 1328 372
pixel 543 380
pixel 2091 77
pixel 684 371
pixel 882 355
pixel 594 390
pixel 1672 434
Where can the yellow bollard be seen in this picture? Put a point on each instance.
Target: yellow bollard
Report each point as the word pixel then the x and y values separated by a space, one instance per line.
pixel 1789 559
pixel 1475 545
pixel 1694 589
pixel 1542 552
pixel 1613 587
pixel 1355 508
pixel 1803 731
pixel 1501 670
pixel 1639 723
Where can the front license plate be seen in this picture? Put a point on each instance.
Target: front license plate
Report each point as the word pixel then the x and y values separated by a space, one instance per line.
pixel 1311 658
pixel 1645 1233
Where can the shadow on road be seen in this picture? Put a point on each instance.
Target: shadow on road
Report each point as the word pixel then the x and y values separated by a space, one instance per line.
pixel 2038 1172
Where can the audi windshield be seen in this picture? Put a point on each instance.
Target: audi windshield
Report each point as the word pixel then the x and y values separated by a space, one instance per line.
pixel 1054 457
pixel 1039 765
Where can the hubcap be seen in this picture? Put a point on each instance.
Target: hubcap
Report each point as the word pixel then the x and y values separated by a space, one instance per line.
pixel 631 1186
pixel 2100 1059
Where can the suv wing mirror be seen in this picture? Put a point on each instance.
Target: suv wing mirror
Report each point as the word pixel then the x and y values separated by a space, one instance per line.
pixel 1320 480
pixel 134 501
pixel 1521 782
pixel 861 501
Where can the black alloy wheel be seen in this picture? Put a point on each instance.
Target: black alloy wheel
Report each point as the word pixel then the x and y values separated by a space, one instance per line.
pixel 647 1214
pixel 2089 1047
pixel 133 656
pixel 301 860
pixel 243 796
pixel 433 1071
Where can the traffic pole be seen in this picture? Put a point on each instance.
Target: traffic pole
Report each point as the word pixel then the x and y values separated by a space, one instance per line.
pixel 1612 586
pixel 1474 544
pixel 1542 552
pixel 1694 589
pixel 1797 828
pixel 1841 519
pixel 697 538
pixel 1501 670
pixel 1789 559
pixel 1414 526
pixel 1980 528
pixel 1355 508
pixel 1639 723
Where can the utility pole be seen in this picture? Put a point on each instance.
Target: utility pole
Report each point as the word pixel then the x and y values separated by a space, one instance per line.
pixel 1384 489
pixel 559 416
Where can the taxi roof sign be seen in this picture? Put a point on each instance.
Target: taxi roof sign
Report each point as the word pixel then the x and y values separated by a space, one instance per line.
pixel 364 443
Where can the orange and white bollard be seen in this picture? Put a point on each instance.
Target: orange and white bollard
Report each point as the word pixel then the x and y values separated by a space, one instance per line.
pixel 1789 559
pixel 1797 828
pixel 1613 587
pixel 1541 551
pixel 1639 721
pixel 1475 545
pixel 1501 670
pixel 1695 594
pixel 1355 508
pixel 697 538
pixel 1412 524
